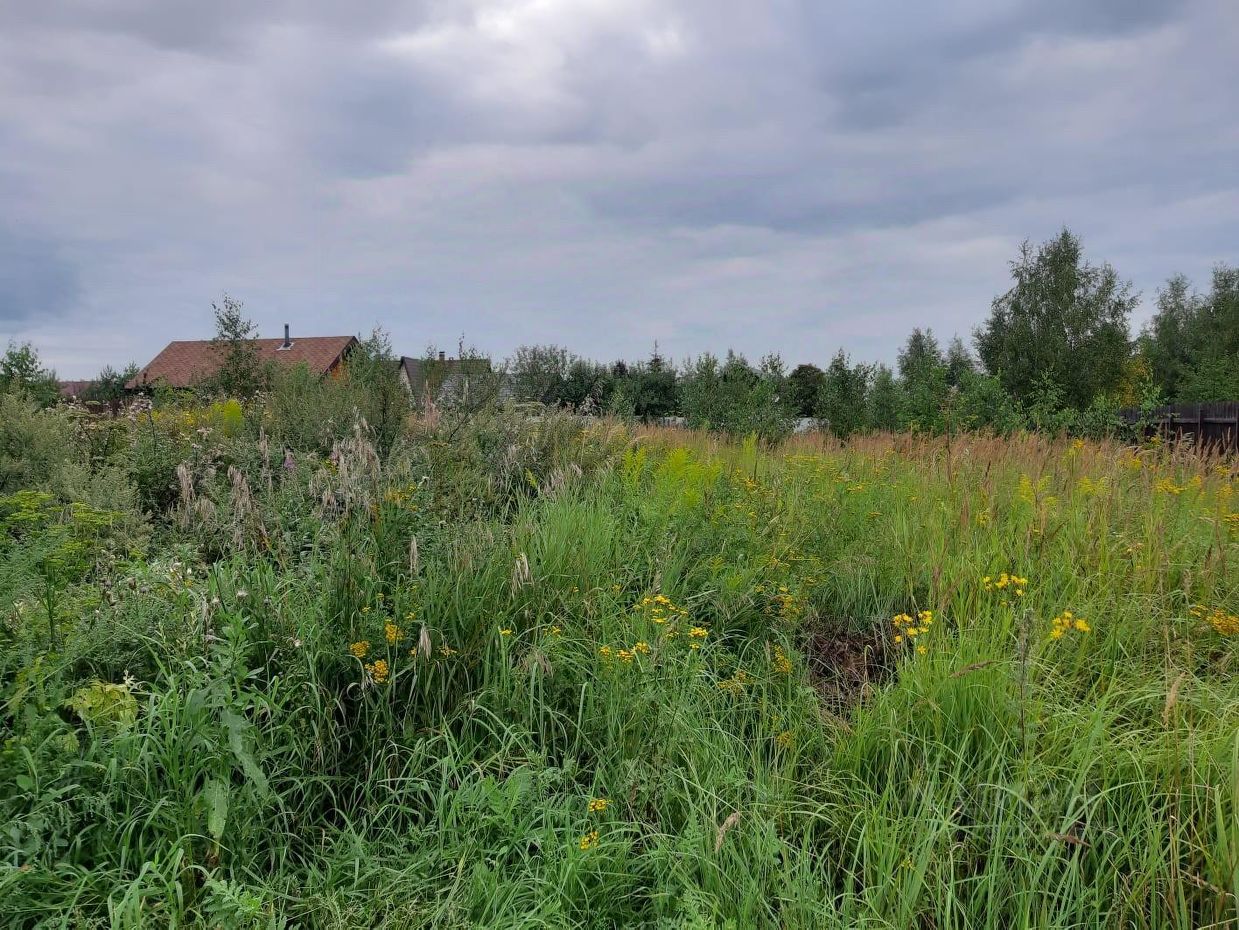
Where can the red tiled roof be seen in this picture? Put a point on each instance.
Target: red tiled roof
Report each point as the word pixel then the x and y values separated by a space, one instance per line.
pixel 182 364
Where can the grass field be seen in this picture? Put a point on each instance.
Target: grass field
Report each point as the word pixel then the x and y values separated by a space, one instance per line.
pixel 534 675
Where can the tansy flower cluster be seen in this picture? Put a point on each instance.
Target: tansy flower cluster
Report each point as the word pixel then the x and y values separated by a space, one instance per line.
pixel 360 648
pixel 639 648
pixel 790 606
pixel 1004 581
pixel 659 608
pixel 782 664
pixel 1226 624
pixel 735 684
pixel 378 670
pixel 588 841
pixel 1007 584
pixel 598 805
pixel 1066 622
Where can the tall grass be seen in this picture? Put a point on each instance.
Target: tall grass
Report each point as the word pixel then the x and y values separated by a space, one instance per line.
pixel 645 680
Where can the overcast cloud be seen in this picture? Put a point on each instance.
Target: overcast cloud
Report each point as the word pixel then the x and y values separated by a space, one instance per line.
pixel 775 176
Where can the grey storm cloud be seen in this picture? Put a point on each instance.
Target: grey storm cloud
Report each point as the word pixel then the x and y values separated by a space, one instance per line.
pixel 789 176
pixel 36 280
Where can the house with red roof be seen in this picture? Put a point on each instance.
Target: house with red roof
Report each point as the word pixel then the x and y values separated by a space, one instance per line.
pixel 184 363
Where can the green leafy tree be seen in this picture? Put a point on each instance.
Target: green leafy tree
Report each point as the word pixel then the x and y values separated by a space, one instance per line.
pixel 984 404
pixel 587 387
pixel 241 372
pixel 23 372
pixel 736 398
pixel 1192 342
pixel 959 363
pixel 1064 320
pixel 373 372
pixel 702 397
pixel 650 389
pixel 803 386
pixel 923 373
pixel 841 402
pixel 109 385
pixel 539 373
pixel 770 412
pixel 885 400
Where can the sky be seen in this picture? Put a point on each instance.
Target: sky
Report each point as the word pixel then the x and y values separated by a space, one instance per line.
pixel 790 177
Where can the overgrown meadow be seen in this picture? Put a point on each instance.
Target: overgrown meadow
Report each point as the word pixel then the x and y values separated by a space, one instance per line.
pixel 269 665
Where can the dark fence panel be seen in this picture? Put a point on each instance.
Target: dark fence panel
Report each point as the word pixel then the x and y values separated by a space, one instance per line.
pixel 1209 426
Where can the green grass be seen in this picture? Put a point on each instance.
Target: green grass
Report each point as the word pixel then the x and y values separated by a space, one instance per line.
pixel 252 772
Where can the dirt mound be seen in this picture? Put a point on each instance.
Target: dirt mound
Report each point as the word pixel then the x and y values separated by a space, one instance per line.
pixel 845 664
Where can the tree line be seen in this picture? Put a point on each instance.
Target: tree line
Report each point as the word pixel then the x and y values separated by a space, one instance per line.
pixel 1055 353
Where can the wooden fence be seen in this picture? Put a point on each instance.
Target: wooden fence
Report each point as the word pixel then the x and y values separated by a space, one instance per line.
pixel 1208 426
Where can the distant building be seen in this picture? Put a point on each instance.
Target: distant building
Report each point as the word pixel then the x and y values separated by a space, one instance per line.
pixel 74 390
pixel 183 364
pixel 445 379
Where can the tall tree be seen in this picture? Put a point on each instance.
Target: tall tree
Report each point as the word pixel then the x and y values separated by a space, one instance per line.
pixel 23 372
pixel 241 372
pixel 1192 342
pixel 803 386
pixel 923 376
pixel 920 355
pixel 736 398
pixel 959 363
pixel 841 401
pixel 655 391
pixel 373 369
pixel 885 400
pixel 1064 320
pixel 539 373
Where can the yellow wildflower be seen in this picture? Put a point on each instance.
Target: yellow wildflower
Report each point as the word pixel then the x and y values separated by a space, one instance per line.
pixel 588 841
pixel 598 805
pixel 1067 622
pixel 360 648
pixel 1226 624
pixel 782 664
